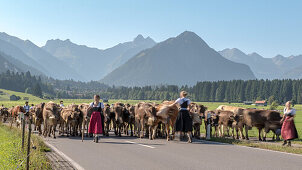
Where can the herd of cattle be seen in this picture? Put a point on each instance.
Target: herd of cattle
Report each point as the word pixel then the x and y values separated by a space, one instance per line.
pixel 145 119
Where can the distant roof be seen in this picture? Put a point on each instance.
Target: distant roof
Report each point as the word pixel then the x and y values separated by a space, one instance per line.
pixel 260 102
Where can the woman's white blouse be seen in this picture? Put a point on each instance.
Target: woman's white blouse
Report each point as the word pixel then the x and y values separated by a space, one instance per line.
pixel 100 105
pixel 182 100
pixel 292 112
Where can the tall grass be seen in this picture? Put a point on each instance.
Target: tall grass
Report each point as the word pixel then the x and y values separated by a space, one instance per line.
pixel 11 154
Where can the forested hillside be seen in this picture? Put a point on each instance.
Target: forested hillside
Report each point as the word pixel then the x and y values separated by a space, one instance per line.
pixel 217 91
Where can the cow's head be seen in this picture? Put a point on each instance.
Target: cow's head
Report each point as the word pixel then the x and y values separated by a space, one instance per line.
pixel 132 111
pixel 151 114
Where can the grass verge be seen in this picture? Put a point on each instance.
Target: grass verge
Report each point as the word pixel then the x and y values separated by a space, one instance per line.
pixel 270 146
pixel 11 154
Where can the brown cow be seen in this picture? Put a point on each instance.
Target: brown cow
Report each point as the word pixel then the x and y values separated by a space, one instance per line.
pixel 238 124
pixel 145 116
pixel 37 116
pixel 262 119
pixel 69 120
pixel 51 117
pixel 121 117
pixel 225 119
pixel 15 114
pixel 131 120
pixel 86 116
pixel 197 113
pixel 78 119
pixel 4 113
pixel 107 120
pixel 167 114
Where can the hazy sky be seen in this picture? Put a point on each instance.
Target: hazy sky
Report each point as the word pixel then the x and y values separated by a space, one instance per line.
pixel 268 27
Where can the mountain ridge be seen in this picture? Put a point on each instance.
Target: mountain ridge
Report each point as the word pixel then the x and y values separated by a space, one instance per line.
pixel 156 65
pixel 100 62
pixel 55 68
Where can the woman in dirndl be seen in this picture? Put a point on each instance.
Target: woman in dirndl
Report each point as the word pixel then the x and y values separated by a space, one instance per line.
pixel 288 130
pixel 184 121
pixel 96 123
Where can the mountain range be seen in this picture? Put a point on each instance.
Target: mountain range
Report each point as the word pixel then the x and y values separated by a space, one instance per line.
pixel 181 60
pixel 93 63
pixel 43 61
pixel 278 67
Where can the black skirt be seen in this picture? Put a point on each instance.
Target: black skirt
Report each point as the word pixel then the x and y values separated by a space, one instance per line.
pixel 183 122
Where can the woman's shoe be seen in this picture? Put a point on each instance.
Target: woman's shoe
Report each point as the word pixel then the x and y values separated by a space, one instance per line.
pixel 289 143
pixel 93 138
pixel 284 143
pixel 189 138
pixel 97 139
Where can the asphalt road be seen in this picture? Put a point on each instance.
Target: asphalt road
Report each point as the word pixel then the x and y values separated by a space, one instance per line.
pixel 143 154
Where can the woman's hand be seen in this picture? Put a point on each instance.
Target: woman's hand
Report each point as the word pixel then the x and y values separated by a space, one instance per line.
pixel 290 119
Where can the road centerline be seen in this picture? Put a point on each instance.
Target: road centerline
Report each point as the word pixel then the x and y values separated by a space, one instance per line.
pixel 140 144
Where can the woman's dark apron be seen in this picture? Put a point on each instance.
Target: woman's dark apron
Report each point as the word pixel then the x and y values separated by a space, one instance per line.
pixel 96 123
pixel 183 121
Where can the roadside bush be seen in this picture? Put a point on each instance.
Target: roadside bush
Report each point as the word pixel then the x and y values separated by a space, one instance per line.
pixel 274 105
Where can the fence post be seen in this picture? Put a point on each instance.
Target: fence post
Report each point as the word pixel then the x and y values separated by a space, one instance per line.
pixel 28 144
pixel 23 130
pixel 208 137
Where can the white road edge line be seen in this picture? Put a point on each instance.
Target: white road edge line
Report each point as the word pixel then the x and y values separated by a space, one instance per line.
pixel 268 150
pixel 72 162
pixel 140 144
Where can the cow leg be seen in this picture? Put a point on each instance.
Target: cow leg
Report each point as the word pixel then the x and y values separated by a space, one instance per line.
pixel 266 130
pixel 143 128
pixel 198 131
pixel 115 128
pixel 168 131
pixel 127 128
pixel 60 128
pixel 70 129
pixel 87 127
pixel 39 129
pixel 264 135
pixel 49 130
pixel 228 131
pixel 54 131
pixel 219 130
pixel 150 132
pixel 107 128
pixel 241 132
pixel 247 132
pixel 259 134
pixel 138 125
pixel 67 130
pixel 154 132
pixel 45 128
pixel 233 133
pixel 131 129
pixel 120 129
pixel 237 133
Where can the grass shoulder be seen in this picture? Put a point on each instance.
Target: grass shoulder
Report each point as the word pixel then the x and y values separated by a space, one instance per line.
pixel 11 154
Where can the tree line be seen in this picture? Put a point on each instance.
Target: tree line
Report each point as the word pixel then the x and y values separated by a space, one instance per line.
pixel 24 82
pixel 218 91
